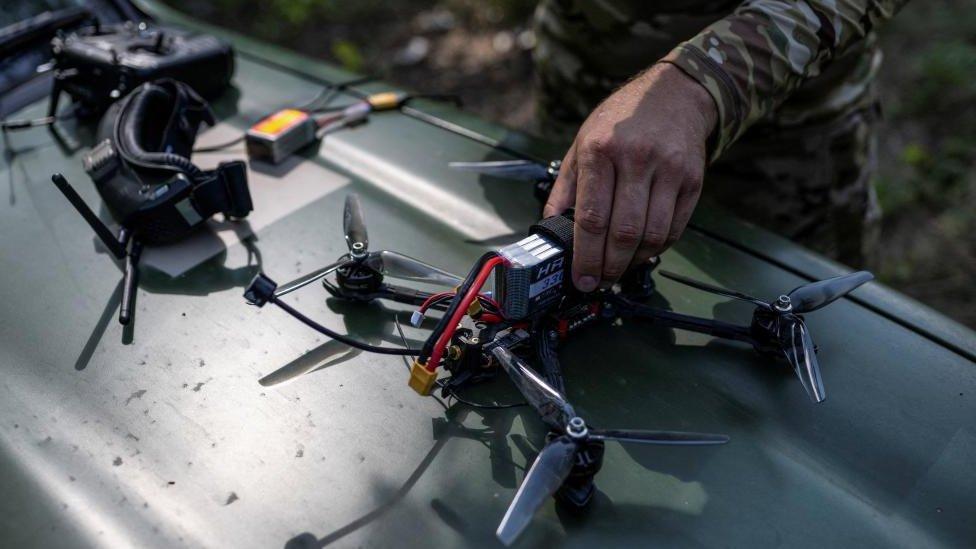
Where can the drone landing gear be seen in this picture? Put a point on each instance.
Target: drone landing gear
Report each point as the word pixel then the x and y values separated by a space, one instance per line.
pixel 124 246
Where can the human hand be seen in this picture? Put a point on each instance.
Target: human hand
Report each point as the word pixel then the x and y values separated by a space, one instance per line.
pixel 634 173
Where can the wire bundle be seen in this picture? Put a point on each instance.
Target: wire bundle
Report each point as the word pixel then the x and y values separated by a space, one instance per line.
pixel 492 310
pixel 435 345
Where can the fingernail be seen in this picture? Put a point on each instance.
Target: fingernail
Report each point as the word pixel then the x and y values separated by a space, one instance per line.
pixel 586 283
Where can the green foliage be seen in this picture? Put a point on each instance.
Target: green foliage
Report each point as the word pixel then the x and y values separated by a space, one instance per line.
pixel 348 55
pixel 946 79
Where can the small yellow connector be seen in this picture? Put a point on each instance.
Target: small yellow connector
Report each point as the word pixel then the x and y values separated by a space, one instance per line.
pixel 475 308
pixel 421 379
pixel 386 100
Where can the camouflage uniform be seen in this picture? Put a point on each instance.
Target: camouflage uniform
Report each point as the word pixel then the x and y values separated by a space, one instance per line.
pixel 793 82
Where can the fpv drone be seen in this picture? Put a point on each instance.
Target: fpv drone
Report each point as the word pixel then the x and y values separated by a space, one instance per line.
pixel 777 327
pixel 532 309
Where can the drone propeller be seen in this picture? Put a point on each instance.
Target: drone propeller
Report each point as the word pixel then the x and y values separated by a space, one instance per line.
pixel 660 438
pixel 547 474
pixel 354 225
pixel 812 296
pixel 713 289
pixel 397 265
pixel 385 262
pixel 796 343
pixel 555 462
pixel 789 330
pixel 802 299
pixel 512 169
pixel 311 277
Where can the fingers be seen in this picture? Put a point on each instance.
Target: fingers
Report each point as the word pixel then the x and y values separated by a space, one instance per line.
pixel 659 212
pixel 674 195
pixel 563 194
pixel 685 206
pixel 627 221
pixel 594 200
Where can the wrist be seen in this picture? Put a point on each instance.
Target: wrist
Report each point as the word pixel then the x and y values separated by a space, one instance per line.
pixel 700 101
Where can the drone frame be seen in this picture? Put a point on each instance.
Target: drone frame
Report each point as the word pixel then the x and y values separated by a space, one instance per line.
pixel 474 347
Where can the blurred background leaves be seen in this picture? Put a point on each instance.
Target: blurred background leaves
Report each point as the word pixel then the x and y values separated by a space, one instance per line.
pixel 481 50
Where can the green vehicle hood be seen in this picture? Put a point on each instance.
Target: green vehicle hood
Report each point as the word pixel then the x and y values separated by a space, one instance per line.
pixel 211 423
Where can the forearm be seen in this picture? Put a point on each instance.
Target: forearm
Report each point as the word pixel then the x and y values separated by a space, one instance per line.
pixel 754 59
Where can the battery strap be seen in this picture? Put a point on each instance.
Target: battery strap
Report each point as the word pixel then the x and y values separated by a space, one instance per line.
pixel 558 228
pixel 223 190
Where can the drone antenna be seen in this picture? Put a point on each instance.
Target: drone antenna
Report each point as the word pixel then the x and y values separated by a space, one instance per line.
pixel 114 245
pixel 122 246
pixel 130 278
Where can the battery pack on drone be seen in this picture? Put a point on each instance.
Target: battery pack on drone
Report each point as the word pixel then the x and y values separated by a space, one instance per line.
pixel 532 278
pixel 278 136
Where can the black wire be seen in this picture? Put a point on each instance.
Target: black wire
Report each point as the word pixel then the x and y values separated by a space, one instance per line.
pixel 331 90
pixel 323 110
pixel 340 337
pixel 452 98
pixel 452 393
pixel 220 146
pixel 486 304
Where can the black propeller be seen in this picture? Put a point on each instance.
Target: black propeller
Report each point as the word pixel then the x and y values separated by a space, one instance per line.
pixel 788 329
pixel 812 296
pixel 385 262
pixel 311 277
pixel 556 460
pixel 525 170
pixel 354 225
pixel 543 177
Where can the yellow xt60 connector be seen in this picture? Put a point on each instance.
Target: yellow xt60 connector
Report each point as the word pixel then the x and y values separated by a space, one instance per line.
pixel 421 379
pixel 386 100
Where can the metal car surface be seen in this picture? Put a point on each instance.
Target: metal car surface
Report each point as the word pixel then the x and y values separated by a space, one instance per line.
pixel 210 423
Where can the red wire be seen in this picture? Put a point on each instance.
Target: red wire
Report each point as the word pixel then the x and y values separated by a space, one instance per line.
pixel 430 300
pixel 492 302
pixel 435 356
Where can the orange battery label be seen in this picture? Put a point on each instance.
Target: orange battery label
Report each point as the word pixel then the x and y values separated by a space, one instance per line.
pixel 280 121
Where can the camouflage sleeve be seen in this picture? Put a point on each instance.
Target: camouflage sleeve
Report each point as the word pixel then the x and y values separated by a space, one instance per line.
pixel 753 59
